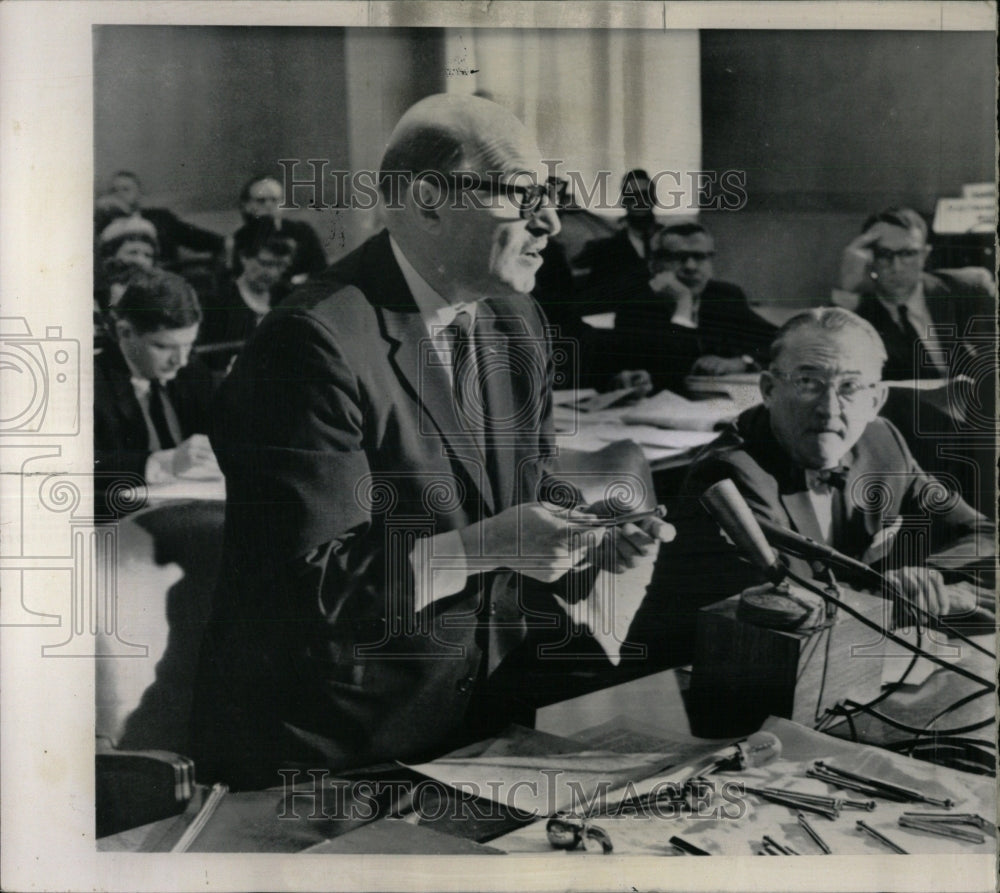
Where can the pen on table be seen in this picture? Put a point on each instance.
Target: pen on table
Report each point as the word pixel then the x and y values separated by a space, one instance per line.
pixel 688 849
pixel 878 784
pixel 816 839
pixel 785 851
pixel 881 838
pixel 208 808
pixel 941 829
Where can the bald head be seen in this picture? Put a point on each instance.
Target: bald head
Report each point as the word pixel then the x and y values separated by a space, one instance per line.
pixel 446 133
pixel 450 177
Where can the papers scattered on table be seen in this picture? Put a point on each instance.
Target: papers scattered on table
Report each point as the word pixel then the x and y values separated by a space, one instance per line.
pixel 670 410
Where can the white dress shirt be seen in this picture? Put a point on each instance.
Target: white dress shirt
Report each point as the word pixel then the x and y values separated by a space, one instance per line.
pixel 821 497
pixel 439 563
pixel 160 463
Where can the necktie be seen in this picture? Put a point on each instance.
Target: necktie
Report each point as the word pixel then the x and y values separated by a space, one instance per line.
pixel 467 385
pixel 159 417
pixel 835 478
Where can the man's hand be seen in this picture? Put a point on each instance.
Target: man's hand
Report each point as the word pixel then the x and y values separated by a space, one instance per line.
pixel 538 541
pixel 713 365
pixel 630 542
pixel 194 458
pixel 637 379
pixel 925 588
pixel 666 284
pixel 857 259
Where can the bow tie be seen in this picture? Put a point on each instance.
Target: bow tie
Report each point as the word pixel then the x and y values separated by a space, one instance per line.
pixel 833 477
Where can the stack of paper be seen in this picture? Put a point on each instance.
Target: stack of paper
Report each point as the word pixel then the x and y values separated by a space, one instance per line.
pixel 670 410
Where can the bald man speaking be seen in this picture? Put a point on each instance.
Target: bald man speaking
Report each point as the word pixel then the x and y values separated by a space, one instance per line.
pixel 383 438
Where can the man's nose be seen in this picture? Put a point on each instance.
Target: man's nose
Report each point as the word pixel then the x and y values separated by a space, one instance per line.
pixel 829 404
pixel 545 220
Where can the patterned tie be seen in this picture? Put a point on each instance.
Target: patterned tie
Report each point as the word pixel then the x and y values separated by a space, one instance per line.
pixel 834 478
pixel 467 384
pixel 159 417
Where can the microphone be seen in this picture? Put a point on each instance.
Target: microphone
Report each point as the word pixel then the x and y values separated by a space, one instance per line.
pixel 730 511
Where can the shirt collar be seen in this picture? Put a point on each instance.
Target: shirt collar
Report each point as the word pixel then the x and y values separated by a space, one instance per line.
pixel 916 304
pixel 435 311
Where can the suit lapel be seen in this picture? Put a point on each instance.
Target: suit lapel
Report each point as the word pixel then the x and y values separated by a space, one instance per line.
pixel 412 355
pixel 800 511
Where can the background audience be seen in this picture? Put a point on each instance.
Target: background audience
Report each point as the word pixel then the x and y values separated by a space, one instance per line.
pixel 151 396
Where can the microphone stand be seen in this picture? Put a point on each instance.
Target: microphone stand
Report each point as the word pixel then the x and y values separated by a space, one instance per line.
pixel 838 603
pixel 810 550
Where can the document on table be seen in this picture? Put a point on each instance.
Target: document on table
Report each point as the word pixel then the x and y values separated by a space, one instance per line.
pixel 670 410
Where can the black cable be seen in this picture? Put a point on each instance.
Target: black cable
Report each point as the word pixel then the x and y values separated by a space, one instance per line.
pixel 904 727
pixel 961 671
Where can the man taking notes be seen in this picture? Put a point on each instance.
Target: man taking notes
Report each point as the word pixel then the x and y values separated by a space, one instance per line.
pixel 383 436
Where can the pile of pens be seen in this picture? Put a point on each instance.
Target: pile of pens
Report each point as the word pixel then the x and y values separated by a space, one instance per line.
pixel 943 824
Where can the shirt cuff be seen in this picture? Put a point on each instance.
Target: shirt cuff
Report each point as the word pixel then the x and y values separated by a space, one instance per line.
pixel 679 319
pixel 160 466
pixel 440 568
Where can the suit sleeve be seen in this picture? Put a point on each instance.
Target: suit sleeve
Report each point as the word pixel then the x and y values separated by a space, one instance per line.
pixel 290 438
pixel 188 235
pixel 960 536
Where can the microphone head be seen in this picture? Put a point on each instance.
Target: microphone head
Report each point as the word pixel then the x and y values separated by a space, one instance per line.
pixel 758 750
pixel 730 511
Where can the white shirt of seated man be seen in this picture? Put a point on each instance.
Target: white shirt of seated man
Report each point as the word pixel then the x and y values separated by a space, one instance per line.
pixel 158 356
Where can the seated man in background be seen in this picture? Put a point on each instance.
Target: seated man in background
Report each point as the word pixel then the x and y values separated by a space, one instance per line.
pixel 937 325
pixel 263 197
pixel 882 271
pixel 618 266
pixel 124 198
pixel 242 302
pixel 151 397
pixel 817 459
pixel 689 323
pixel 683 322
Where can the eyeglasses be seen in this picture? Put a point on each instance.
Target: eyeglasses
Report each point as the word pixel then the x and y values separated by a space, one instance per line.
pixel 528 197
pixel 887 255
pixel 682 257
pixel 809 386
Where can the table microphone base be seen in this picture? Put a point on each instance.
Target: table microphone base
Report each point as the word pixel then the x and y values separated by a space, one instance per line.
pixel 745 671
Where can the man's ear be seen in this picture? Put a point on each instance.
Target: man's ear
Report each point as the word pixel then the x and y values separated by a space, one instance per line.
pixel 426 198
pixel 766 386
pixel 881 394
pixel 124 330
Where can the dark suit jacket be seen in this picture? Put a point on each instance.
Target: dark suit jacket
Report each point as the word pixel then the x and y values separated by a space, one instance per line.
pixel 954 298
pixel 121 441
pixel 616 274
pixel 645 338
pixel 171 232
pixel 338 438
pixel 885 486
pixel 309 255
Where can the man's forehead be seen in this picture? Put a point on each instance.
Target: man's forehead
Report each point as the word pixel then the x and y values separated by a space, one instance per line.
pixel 891 236
pixel 674 241
pixel 838 351
pixel 265 188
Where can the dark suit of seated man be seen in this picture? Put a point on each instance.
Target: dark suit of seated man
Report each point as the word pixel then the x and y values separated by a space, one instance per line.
pixel 935 325
pixel 383 435
pixel 682 321
pixel 151 397
pixel 815 458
